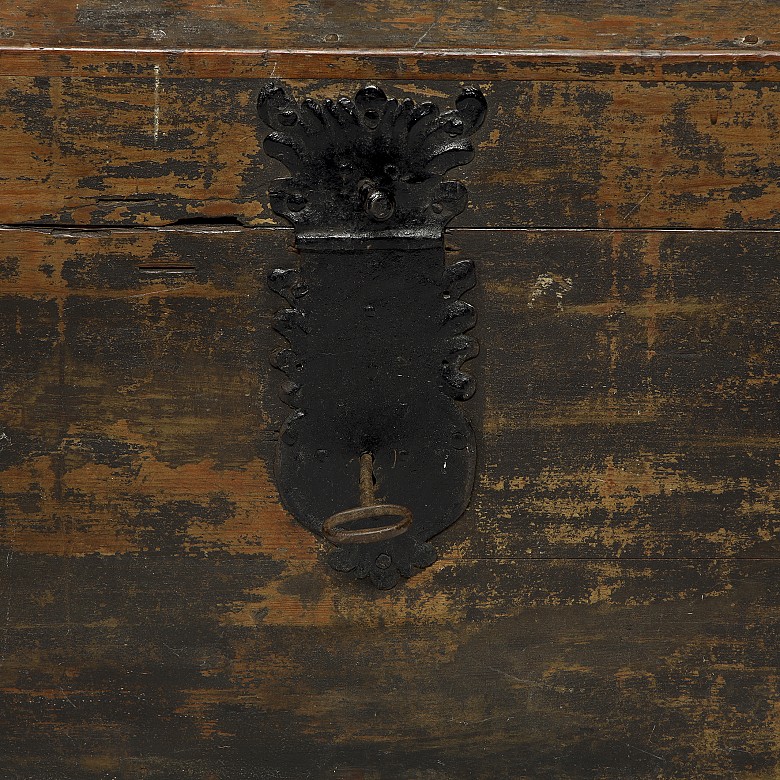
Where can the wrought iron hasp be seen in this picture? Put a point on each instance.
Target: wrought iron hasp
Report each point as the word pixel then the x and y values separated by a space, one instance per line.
pixel 378 457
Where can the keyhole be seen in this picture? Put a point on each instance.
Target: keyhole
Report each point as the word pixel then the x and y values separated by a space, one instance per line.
pixel 367 479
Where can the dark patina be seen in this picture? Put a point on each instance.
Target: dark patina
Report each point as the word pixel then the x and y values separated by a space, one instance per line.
pixel 375 324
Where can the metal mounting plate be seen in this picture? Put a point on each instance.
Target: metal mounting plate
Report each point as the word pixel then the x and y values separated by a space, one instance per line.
pixel 375 324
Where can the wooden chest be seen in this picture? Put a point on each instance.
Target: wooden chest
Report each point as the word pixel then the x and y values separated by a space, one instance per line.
pixel 606 607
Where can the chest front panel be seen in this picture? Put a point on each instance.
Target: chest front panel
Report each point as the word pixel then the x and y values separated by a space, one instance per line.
pixel 606 607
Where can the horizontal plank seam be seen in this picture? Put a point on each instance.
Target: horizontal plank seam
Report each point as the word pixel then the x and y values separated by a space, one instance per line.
pixel 441 559
pixel 541 54
pixel 413 80
pixel 612 559
pixel 404 65
pixel 55 228
pixel 649 229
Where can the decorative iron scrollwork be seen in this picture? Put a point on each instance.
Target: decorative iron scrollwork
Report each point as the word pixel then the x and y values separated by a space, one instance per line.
pixel 375 324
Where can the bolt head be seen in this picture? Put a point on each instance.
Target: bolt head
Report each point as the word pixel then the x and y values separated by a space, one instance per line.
pixel 380 206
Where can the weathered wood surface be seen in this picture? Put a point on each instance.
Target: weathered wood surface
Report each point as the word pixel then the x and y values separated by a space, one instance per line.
pixel 362 24
pixel 607 608
pixel 747 64
pixel 627 403
pixel 552 154
pixel 161 667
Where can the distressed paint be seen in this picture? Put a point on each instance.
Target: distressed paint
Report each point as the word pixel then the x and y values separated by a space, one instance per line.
pixel 745 63
pixel 552 154
pixel 608 607
pixel 635 417
pixel 465 26
pixel 128 666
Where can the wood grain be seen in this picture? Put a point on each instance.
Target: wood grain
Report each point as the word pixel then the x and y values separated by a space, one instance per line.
pixel 744 64
pixel 157 666
pixel 627 402
pixel 428 24
pixel 607 608
pixel 551 154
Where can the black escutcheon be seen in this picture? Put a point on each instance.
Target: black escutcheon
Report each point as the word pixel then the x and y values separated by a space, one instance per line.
pixel 375 324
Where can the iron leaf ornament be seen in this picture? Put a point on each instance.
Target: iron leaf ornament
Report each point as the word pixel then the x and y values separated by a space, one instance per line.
pixel 373 163
pixel 377 457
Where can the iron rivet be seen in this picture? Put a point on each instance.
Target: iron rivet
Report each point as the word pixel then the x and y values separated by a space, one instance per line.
pixel 380 206
pixel 371 118
pixel 296 202
pixel 459 440
pixel 383 561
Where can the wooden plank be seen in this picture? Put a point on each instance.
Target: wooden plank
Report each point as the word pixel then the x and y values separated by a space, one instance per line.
pixel 551 154
pixel 627 402
pixel 428 24
pixel 161 666
pixel 620 372
pixel 744 63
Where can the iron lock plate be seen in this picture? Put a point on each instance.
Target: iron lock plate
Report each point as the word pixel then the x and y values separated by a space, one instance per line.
pixel 378 455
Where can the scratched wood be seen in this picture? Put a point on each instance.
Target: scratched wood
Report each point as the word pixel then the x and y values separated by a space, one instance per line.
pixel 745 64
pixel 627 403
pixel 608 608
pixel 362 24
pixel 551 154
pixel 233 667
